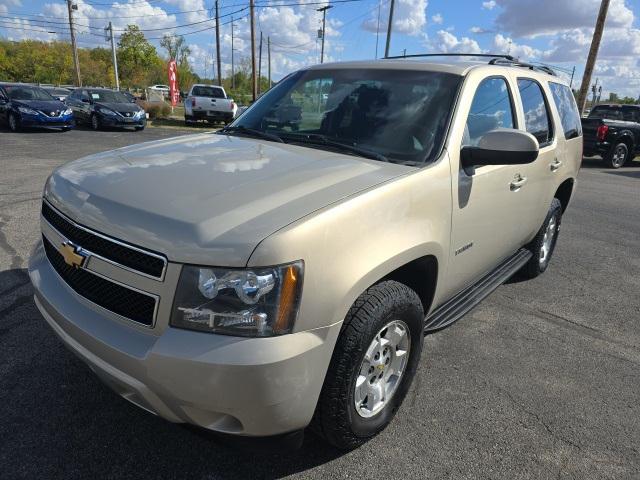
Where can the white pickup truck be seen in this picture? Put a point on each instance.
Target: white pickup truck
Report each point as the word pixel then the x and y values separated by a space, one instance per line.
pixel 210 103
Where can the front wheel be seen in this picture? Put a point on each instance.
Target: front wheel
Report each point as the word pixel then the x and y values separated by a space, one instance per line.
pixel 95 122
pixel 139 129
pixel 544 243
pixel 617 156
pixel 14 123
pixel 372 366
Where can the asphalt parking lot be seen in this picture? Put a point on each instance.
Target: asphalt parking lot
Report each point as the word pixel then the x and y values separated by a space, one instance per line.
pixel 542 380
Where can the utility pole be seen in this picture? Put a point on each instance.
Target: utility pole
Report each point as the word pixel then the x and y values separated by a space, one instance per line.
pixel 260 63
pixel 593 54
pixel 378 27
pixel 386 49
pixel 254 84
pixel 218 45
pixel 71 7
pixel 233 73
pixel 269 60
pixel 324 24
pixel 113 54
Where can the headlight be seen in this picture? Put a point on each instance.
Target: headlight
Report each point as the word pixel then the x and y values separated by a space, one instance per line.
pixel 138 114
pixel 27 111
pixel 68 111
pixel 106 111
pixel 259 302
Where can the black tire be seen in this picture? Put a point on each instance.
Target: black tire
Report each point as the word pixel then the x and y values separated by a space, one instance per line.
pixel 537 264
pixel 14 122
pixel 336 418
pixel 617 156
pixel 94 122
pixel 65 129
pixel 139 129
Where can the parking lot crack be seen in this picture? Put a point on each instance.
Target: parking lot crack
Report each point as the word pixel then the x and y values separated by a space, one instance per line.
pixel 16 260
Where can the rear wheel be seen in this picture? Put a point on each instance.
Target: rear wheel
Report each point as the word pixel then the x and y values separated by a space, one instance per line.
pixel 14 123
pixel 544 244
pixel 372 366
pixel 617 156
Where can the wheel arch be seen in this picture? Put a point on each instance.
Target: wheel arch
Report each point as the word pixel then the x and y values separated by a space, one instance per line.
pixel 420 275
pixel 564 192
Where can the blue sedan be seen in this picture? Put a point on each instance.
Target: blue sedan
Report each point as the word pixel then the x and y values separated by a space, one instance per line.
pixel 23 106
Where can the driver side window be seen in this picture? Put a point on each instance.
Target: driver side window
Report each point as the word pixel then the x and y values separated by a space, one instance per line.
pixel 491 108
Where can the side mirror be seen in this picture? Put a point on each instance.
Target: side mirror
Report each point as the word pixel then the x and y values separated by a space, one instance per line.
pixel 503 146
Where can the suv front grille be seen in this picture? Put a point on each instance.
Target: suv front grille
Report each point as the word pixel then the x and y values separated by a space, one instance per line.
pixel 148 263
pixel 116 298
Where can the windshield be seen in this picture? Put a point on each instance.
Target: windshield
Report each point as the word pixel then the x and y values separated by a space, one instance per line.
pixel 107 96
pixel 19 92
pixel 212 92
pixel 402 115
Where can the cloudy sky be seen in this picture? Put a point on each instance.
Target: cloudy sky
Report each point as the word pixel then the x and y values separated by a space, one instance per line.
pixel 556 32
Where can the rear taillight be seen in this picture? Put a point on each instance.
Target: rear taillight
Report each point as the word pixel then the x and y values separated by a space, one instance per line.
pixel 602 132
pixel 193 102
pixel 233 105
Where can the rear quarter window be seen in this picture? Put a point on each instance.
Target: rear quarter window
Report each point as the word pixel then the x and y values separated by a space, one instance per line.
pixel 568 110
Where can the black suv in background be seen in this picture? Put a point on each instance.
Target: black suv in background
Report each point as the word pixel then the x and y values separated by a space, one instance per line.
pixel 612 131
pixel 100 107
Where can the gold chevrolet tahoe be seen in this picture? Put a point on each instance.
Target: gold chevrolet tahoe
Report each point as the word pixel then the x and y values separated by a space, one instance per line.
pixel 282 272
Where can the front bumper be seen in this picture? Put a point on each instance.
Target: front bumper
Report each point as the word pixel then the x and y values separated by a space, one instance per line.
pixel 40 120
pixel 118 121
pixel 242 386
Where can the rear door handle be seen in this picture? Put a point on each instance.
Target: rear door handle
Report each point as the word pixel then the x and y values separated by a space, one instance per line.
pixel 517 183
pixel 555 165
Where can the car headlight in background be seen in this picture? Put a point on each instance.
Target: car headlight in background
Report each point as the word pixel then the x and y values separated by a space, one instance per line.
pixel 138 114
pixel 106 111
pixel 258 302
pixel 27 111
pixel 68 111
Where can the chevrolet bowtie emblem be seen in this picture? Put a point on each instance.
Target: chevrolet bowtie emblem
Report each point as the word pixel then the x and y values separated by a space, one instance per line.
pixel 72 255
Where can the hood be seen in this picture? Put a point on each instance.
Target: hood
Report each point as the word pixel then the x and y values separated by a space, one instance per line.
pixel 119 107
pixel 207 199
pixel 46 106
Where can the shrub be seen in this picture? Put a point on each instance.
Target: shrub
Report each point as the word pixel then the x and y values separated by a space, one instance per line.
pixel 157 110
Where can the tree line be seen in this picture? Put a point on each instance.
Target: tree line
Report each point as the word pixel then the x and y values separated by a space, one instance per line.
pixel 139 64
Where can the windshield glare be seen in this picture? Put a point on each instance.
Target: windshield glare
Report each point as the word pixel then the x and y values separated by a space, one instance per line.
pixel 27 93
pixel 401 114
pixel 106 96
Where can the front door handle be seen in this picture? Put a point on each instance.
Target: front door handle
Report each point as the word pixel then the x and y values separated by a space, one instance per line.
pixel 555 165
pixel 517 183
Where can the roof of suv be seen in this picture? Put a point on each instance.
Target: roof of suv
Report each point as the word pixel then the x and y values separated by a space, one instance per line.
pixel 457 65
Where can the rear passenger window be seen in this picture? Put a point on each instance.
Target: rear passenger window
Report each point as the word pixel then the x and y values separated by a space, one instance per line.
pixel 568 110
pixel 537 120
pixel 491 109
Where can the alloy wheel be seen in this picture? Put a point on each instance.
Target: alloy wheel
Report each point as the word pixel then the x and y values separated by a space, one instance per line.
pixel 382 368
pixel 548 239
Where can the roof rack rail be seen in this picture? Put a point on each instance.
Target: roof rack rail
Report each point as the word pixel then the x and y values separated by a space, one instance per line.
pixel 518 63
pixel 487 55
pixel 496 59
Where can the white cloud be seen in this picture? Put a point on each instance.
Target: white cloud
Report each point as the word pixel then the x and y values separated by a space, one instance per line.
pixel 479 30
pixel 530 18
pixel 446 42
pixel 409 17
pixel 5 5
pixel 506 45
pixel 490 5
pixel 437 19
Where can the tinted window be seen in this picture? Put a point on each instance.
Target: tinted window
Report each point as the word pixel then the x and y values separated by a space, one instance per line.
pixel 107 96
pixel 612 112
pixel 631 114
pixel 491 109
pixel 403 117
pixel 568 110
pixel 19 92
pixel 536 115
pixel 212 92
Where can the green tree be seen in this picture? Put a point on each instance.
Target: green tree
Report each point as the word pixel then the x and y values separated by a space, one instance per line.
pixel 176 48
pixel 136 57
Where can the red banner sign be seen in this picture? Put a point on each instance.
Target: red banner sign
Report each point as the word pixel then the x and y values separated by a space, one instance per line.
pixel 174 93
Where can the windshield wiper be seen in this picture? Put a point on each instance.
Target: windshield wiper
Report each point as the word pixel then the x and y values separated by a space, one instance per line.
pixel 319 139
pixel 252 132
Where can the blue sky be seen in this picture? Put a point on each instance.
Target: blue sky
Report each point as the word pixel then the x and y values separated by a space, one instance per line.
pixel 557 32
